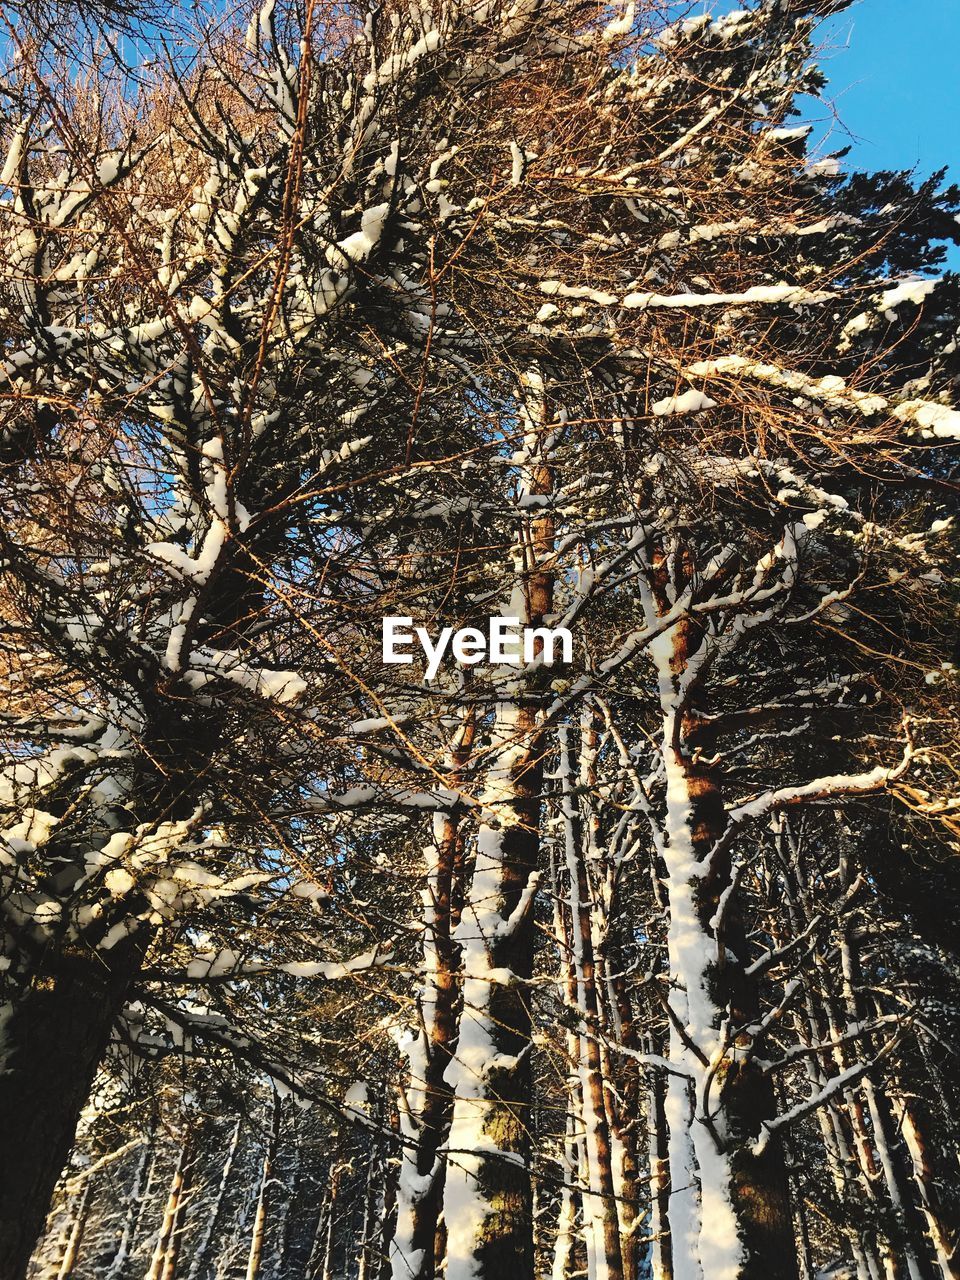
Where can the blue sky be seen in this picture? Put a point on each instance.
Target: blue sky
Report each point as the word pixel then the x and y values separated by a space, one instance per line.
pixel 895 81
pixel 893 68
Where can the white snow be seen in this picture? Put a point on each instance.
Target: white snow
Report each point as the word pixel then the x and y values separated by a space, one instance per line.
pixel 766 293
pixel 623 25
pixel 687 402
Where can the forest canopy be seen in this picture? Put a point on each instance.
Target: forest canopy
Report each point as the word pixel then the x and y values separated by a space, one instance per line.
pixel 633 961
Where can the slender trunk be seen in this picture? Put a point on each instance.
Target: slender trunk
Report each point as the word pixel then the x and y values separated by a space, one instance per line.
pixel 872 1142
pixel 172 1256
pixel 944 1240
pixel 216 1209
pixel 171 1214
pixel 317 1247
pixel 388 1207
pixel 623 1119
pixel 285 1224
pixel 661 1258
pixel 600 1217
pixel 372 1209
pixel 802 1232
pixel 72 1251
pixel 426 1100
pixel 258 1236
pixel 622 1085
pixel 138 1194
pixel 326 1272
pixel 565 1241
pixel 836 1148
pixel 54 1038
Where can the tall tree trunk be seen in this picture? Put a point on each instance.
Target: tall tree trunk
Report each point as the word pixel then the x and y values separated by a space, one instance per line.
pixel 258 1235
pixel 138 1195
pixel 600 1218
pixel 425 1102
pixel 72 1251
pixel 177 1227
pixel 285 1224
pixel 740 1226
pixel 318 1245
pixel 202 1251
pixel 373 1204
pixel 622 1086
pixel 944 1239
pixel 565 1241
pixel 917 1266
pixel 54 1039
pixel 329 1240
pixel 487 1204
pixel 488 1200
pixel 661 1256
pixel 171 1217
pixel 839 1158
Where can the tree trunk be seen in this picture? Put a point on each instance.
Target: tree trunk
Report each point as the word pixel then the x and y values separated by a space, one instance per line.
pixel 373 1205
pixel 487 1204
pixel 258 1235
pixel 565 1242
pixel 54 1039
pixel 329 1242
pixel 661 1257
pixel 213 1218
pixel 740 1227
pixel 72 1251
pixel 166 1237
pixel 139 1193
pixel 944 1240
pixel 318 1245
pixel 425 1102
pixel 175 1240
pixel 600 1218
pixel 836 1148
pixel 285 1225
pixel 487 1199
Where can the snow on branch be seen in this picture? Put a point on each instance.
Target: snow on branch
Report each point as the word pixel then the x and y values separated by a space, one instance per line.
pixel 820 789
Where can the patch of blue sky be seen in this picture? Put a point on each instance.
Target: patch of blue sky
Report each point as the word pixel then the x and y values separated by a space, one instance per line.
pixel 893 94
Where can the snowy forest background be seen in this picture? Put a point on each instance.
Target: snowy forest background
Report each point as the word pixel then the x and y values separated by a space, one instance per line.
pixel 640 968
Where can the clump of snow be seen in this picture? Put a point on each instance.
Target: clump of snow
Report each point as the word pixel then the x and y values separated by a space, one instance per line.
pixel 772 293
pixel 691 401
pixel 358 1096
pixel 623 25
pixel 914 290
pixel 118 882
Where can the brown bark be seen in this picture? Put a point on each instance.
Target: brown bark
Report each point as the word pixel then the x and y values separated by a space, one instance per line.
pixel 164 1261
pixel 944 1236
pixel 175 1240
pixel 760 1189
pixel 258 1236
pixel 504 1249
pixel 600 1180
pixel 432 1119
pixel 54 1040
pixel 662 1260
pixel 72 1251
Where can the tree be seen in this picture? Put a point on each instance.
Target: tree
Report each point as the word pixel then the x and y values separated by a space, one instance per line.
pixel 538 311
